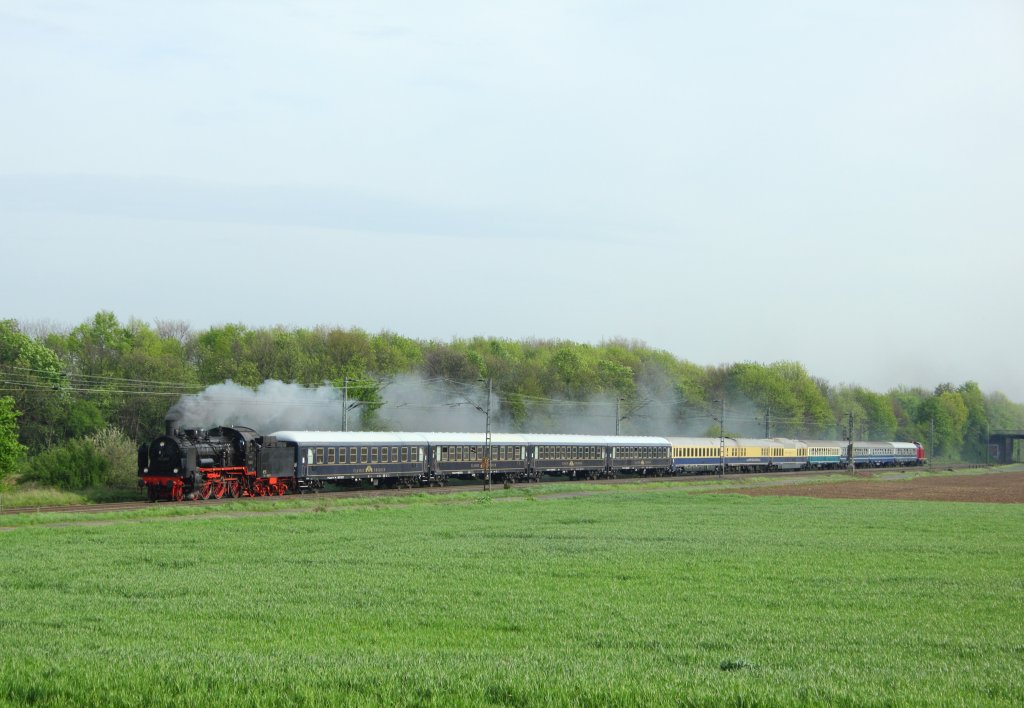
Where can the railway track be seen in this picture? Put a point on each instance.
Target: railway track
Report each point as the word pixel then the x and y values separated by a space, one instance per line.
pixel 103 508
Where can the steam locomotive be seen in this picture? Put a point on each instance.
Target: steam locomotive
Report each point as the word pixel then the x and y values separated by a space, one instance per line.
pixel 200 464
pixel 236 461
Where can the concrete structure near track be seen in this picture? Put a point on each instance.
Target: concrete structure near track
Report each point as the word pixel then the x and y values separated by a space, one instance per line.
pixel 1002 442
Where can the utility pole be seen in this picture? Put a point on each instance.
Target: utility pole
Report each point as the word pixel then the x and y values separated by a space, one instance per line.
pixel 931 436
pixel 487 431
pixel 617 399
pixel 849 446
pixel 344 406
pixel 721 441
pixel 768 422
pixel 721 438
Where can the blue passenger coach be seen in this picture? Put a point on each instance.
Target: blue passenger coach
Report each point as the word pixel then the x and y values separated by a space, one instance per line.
pixel 346 456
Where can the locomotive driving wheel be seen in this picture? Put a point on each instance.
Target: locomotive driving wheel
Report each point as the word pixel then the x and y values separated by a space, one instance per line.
pixel 206 491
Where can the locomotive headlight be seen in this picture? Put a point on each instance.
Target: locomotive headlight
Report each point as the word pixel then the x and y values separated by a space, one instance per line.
pixel 175 470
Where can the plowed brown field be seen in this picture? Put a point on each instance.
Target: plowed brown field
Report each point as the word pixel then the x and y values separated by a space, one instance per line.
pixel 998 488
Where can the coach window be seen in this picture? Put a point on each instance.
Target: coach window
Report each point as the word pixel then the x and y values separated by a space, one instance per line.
pixel 319 455
pixel 330 455
pixel 458 453
pixel 373 455
pixel 384 454
pixel 364 455
pixel 405 454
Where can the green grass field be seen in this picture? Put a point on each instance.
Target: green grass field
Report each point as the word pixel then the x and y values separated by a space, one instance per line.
pixel 632 596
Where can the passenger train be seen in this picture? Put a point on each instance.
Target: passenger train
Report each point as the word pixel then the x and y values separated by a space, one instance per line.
pixel 236 461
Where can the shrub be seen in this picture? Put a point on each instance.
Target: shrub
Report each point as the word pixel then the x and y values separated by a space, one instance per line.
pixel 76 464
pixel 120 453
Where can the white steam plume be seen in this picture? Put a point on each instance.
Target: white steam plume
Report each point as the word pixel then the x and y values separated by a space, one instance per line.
pixel 274 405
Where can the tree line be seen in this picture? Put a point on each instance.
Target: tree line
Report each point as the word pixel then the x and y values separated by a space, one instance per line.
pixel 84 397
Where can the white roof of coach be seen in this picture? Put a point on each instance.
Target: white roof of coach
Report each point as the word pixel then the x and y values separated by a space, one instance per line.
pixel 334 437
pixel 337 437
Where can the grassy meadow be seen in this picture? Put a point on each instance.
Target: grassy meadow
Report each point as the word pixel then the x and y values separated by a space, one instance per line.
pixel 637 595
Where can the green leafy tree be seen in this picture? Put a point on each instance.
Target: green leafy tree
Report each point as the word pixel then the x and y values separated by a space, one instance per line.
pixel 34 376
pixel 906 405
pixel 394 354
pixel 977 427
pixel 222 355
pixel 1004 414
pixel 11 451
pixel 879 422
pixel 129 373
pixel 947 412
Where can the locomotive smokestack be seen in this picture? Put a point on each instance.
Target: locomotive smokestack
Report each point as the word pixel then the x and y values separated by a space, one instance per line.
pixel 169 424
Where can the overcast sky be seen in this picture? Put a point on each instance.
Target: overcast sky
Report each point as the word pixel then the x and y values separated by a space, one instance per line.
pixel 836 183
